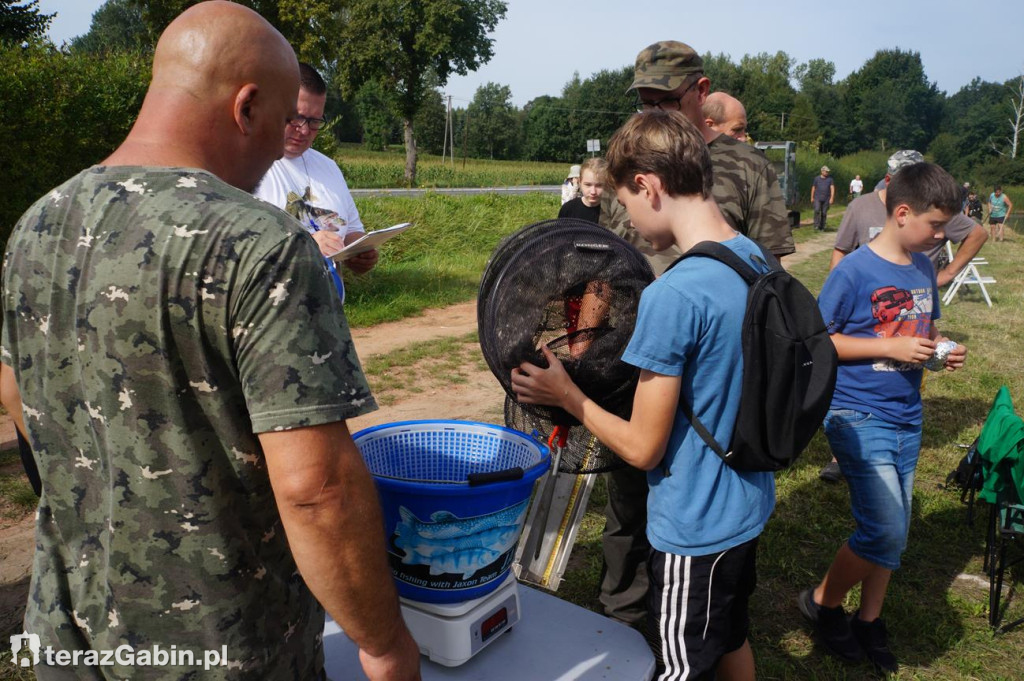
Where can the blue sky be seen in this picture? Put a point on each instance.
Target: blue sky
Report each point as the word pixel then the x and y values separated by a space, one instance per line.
pixel 541 43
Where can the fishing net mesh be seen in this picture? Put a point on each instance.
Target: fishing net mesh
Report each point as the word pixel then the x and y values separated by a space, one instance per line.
pixel 575 287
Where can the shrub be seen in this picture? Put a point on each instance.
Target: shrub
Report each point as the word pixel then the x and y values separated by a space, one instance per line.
pixel 60 113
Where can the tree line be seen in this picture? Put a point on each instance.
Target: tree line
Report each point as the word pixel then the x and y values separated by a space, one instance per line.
pixel 388 62
pixel 885 105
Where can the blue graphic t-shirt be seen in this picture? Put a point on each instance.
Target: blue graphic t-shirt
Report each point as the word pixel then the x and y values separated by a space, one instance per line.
pixel 866 296
pixel 690 324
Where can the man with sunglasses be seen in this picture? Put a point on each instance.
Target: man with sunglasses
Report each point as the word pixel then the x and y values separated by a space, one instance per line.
pixel 669 75
pixel 309 186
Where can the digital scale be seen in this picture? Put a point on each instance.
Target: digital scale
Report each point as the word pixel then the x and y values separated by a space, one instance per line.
pixel 557 641
pixel 451 633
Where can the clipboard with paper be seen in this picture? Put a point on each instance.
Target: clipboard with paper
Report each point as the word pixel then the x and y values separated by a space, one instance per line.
pixel 369 241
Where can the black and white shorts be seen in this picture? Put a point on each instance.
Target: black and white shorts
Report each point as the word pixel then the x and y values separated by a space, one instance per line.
pixel 700 605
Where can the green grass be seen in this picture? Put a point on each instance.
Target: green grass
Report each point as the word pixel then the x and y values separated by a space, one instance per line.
pixel 438 261
pixel 431 364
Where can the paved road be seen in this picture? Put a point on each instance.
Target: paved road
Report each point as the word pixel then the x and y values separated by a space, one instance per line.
pixel 460 191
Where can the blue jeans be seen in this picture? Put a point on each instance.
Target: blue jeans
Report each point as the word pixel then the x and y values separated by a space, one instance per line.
pixel 878 460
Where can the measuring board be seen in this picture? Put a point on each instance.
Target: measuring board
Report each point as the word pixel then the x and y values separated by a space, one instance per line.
pixel 568 504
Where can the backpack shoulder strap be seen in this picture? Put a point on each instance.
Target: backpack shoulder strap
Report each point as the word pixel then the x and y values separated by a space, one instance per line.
pixel 704 433
pixel 726 256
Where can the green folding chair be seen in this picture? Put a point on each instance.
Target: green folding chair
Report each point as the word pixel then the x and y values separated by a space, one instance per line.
pixel 1001 448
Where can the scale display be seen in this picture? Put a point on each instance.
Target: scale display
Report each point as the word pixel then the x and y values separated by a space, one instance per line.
pixel 493 624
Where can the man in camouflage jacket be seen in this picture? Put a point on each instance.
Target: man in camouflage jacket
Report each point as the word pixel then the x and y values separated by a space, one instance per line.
pixel 669 75
pixel 184 371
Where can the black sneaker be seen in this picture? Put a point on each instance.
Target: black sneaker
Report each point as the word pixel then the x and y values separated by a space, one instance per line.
pixel 831 627
pixel 831 472
pixel 874 641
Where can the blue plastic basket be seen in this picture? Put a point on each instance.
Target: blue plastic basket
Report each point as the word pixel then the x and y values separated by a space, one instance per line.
pixel 454 496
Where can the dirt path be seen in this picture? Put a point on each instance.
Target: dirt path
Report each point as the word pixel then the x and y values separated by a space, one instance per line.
pixel 477 397
pixel 454 320
pixel 817 244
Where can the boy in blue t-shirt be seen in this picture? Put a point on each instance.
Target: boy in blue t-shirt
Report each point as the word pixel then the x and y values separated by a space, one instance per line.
pixel 704 517
pixel 880 304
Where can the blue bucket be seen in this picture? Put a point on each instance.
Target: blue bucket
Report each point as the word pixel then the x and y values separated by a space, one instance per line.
pixel 454 496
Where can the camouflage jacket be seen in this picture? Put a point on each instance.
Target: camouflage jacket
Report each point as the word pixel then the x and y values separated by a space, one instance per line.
pixel 156 319
pixel 746 190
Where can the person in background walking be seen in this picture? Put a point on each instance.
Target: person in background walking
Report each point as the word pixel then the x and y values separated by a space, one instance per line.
pixel 856 187
pixel 823 194
pixel 999 207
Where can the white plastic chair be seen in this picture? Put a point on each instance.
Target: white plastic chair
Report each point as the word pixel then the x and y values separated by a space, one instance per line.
pixel 969 276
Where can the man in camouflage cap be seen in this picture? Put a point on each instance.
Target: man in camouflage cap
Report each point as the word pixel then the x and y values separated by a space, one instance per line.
pixel 184 370
pixel 666 66
pixel 669 75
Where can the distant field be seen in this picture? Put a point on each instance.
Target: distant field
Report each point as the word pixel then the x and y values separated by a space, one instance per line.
pixel 378 169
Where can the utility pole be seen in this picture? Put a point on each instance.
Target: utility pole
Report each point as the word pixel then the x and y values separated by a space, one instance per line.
pixel 447 132
pixel 451 131
pixel 465 133
pixel 782 122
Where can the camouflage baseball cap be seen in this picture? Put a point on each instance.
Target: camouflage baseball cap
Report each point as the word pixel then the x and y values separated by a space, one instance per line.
pixel 665 65
pixel 902 159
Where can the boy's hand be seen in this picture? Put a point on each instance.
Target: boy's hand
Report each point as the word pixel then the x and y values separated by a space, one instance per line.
pixel 910 349
pixel 956 358
pixel 534 385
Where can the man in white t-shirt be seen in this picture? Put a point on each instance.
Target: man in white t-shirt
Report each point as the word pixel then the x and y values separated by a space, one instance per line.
pixel 856 187
pixel 309 186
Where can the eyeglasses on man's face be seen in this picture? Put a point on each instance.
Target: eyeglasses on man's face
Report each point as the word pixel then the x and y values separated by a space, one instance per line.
pixel 666 103
pixel 299 122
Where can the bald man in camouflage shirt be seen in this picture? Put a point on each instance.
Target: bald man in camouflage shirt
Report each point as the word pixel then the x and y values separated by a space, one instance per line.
pixel 669 75
pixel 184 370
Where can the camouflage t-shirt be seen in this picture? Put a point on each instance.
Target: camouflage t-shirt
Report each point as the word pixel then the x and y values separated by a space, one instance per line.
pixel 156 319
pixel 746 190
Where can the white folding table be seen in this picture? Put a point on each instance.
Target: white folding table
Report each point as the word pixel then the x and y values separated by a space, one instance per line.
pixel 554 641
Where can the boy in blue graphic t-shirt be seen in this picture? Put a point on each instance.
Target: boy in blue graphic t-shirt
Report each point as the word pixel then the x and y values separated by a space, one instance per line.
pixel 704 518
pixel 880 304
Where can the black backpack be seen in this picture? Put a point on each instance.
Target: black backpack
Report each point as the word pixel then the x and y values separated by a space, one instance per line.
pixel 789 367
